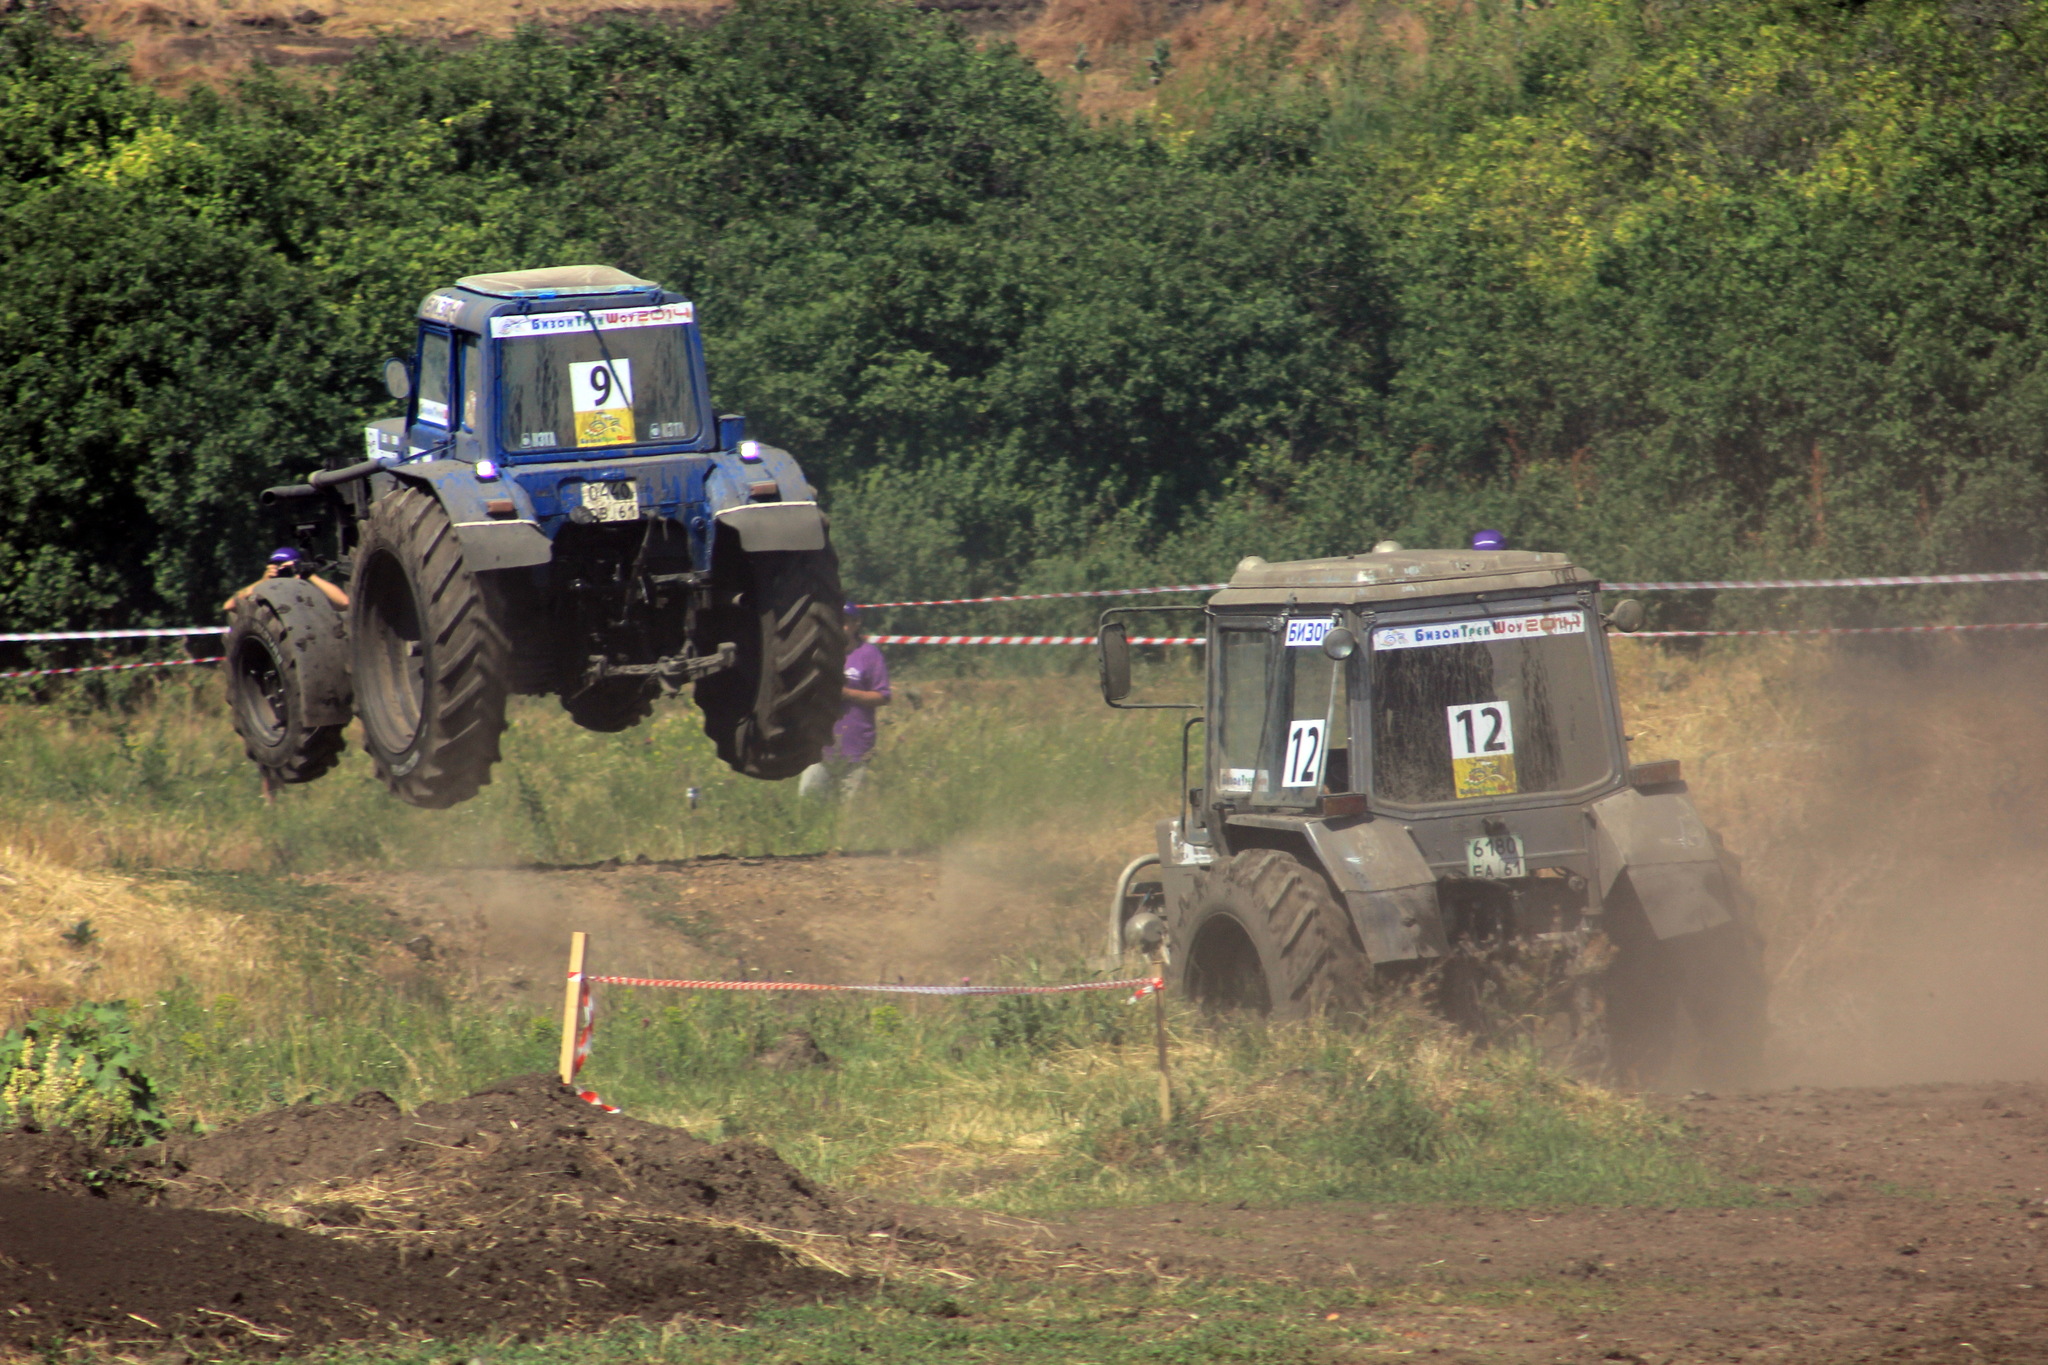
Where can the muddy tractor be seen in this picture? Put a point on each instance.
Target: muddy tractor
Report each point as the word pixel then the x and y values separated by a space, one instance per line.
pixel 1413 775
pixel 558 511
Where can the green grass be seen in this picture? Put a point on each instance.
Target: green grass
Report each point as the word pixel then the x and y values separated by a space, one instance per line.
pixel 1100 1322
pixel 1016 1104
pixel 164 784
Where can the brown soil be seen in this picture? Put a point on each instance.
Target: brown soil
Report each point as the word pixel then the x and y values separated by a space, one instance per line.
pixel 831 918
pixel 520 1210
pixel 1910 1227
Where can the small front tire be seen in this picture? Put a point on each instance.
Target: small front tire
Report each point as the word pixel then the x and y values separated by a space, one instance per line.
pixel 288 680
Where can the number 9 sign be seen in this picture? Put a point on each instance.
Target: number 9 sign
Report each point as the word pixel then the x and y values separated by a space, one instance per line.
pixel 601 392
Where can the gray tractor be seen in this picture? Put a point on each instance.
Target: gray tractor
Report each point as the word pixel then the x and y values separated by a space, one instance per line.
pixel 1414 771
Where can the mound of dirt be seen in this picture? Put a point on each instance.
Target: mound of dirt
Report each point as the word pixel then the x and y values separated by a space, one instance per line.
pixel 520 1209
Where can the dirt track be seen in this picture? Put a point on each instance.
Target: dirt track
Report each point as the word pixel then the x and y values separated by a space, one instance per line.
pixel 1912 1228
pixel 1897 1223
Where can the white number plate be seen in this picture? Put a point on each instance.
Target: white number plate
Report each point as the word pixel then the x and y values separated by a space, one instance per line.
pixel 1497 857
pixel 618 501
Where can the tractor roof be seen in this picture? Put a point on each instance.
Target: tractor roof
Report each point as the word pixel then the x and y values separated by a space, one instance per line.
pixel 560 279
pixel 1399 575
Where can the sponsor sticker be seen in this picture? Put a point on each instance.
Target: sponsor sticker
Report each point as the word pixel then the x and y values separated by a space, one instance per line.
pixel 601 393
pixel 1482 749
pixel 608 320
pixel 441 307
pixel 1235 780
pixel 434 411
pixel 1499 628
pixel 1307 632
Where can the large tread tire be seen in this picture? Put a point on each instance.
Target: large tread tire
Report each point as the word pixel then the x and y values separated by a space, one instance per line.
pixel 771 714
pixel 288 680
pixel 1262 932
pixel 430 655
pixel 611 705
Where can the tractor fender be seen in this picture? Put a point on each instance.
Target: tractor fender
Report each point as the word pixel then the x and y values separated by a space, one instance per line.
pixel 1669 856
pixel 488 542
pixel 1387 884
pixel 776 526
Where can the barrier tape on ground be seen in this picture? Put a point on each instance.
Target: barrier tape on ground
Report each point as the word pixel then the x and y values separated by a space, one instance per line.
pixel 1138 986
pixel 579 1021
pixel 108 668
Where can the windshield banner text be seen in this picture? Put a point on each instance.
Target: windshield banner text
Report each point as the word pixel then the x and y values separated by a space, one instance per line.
pixel 608 320
pixel 1498 629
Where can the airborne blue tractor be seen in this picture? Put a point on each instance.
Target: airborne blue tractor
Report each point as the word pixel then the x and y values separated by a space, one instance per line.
pixel 558 511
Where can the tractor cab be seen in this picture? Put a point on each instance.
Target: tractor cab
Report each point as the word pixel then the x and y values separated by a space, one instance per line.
pixel 1414 760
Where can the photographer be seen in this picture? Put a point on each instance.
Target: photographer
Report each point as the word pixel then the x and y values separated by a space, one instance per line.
pixel 284 563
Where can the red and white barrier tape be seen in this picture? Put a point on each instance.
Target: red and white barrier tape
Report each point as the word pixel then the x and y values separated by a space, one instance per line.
pixel 1893 581
pixel 1729 585
pixel 1027 639
pixel 1837 630
pixel 1898 581
pixel 1051 596
pixel 108 668
pixel 153 634
pixel 1138 985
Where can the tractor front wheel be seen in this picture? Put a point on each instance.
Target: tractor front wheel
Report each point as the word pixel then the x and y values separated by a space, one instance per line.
pixel 771 714
pixel 288 683
pixel 1262 932
pixel 430 655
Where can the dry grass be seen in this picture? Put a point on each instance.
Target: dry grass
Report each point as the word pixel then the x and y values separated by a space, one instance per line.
pixel 67 934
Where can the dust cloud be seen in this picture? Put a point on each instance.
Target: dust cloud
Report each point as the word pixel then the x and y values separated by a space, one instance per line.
pixel 1897 859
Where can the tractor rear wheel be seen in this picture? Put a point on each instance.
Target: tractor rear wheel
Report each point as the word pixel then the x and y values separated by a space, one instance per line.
pixel 612 704
pixel 1691 1010
pixel 771 714
pixel 287 678
pixel 1262 932
pixel 429 655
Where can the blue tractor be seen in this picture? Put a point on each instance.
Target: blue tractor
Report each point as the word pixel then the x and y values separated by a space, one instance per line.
pixel 558 511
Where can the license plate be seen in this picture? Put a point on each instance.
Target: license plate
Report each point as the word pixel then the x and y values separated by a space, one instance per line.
pixel 618 501
pixel 1498 857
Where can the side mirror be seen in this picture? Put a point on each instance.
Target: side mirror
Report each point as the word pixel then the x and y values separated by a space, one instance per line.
pixel 397 380
pixel 1114 642
pixel 1340 643
pixel 1627 616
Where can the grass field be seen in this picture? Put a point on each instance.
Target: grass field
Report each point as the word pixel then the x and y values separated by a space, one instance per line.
pixel 255 986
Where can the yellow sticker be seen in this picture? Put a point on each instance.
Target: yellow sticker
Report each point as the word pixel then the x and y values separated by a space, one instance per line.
pixel 1490 776
pixel 1482 749
pixel 602 396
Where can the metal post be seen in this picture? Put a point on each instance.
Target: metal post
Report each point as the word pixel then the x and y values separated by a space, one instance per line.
pixel 1159 1035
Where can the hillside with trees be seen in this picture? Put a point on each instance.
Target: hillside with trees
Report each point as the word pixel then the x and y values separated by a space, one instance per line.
pixel 1684 289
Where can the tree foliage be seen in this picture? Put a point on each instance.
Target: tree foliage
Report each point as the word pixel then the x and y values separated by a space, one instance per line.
pixel 1682 289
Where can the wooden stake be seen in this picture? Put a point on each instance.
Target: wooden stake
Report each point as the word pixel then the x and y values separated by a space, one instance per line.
pixel 1159 1035
pixel 572 1001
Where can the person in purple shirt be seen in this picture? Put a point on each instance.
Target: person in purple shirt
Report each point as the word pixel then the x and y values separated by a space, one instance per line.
pixel 867 687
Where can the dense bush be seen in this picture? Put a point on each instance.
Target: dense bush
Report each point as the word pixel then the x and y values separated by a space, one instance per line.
pixel 1685 289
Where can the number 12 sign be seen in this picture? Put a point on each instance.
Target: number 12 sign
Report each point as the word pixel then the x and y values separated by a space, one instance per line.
pixel 1304 757
pixel 1482 749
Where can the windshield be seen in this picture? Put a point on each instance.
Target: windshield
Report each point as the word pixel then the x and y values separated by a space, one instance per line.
pixel 565 390
pixel 1504 706
pixel 1281 721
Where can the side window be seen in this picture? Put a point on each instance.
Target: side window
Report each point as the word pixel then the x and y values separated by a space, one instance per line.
pixel 469 366
pixel 435 362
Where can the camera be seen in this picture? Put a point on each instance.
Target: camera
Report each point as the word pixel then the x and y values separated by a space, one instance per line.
pixel 288 569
